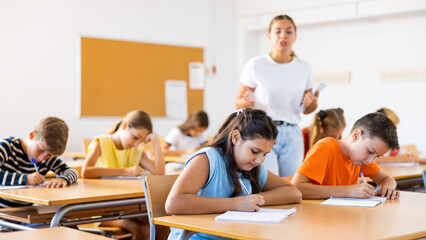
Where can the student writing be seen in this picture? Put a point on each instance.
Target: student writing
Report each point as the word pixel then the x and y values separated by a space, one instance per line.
pixel 188 136
pixel 209 182
pixel 120 153
pixel 44 143
pixel 332 167
pixel 326 123
pixel 185 138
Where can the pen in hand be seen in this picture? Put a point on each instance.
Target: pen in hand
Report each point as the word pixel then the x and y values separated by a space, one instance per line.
pixel 35 164
pixel 243 187
pixel 363 178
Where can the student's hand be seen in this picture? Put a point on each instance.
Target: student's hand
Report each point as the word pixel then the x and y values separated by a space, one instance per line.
pixel 134 171
pixel 363 190
pixel 389 193
pixel 151 137
pixel 249 203
pixel 421 160
pixel 35 179
pixel 57 183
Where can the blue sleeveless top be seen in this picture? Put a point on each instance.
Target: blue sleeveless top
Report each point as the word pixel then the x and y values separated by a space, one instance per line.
pixel 219 184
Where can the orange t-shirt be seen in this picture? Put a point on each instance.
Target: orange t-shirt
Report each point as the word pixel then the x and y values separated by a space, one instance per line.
pixel 325 164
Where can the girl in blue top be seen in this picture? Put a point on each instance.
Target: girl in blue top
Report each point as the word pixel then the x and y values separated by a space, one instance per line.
pixel 209 181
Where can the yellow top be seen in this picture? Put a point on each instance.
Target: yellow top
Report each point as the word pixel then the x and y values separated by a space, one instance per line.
pixel 111 157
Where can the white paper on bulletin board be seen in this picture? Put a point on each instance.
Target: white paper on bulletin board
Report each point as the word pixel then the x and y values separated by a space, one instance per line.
pixel 176 99
pixel 196 75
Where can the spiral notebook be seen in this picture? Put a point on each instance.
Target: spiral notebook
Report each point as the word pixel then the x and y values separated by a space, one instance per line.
pixel 354 202
pixel 264 215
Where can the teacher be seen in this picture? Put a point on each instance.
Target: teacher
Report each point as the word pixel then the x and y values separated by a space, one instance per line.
pixel 280 84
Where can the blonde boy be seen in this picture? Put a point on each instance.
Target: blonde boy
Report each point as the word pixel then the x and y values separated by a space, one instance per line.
pixel 46 141
pixel 332 167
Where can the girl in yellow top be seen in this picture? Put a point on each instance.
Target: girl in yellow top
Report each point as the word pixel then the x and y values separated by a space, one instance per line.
pixel 120 153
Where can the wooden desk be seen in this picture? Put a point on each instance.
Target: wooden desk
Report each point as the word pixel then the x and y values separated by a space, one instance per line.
pixel 56 233
pixel 402 219
pixel 178 159
pixel 398 172
pixel 84 190
pixel 407 178
pixel 76 164
pixel 85 194
pixel 76 155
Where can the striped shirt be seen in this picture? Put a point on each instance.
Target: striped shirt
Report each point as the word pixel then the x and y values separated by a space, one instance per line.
pixel 15 166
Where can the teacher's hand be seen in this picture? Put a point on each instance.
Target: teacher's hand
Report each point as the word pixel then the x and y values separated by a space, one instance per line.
pixel 310 101
pixel 245 97
pixel 248 96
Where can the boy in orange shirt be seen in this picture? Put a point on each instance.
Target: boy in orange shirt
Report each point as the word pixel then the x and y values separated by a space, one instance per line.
pixel 332 167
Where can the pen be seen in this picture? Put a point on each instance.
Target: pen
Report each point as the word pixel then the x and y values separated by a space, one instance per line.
pixel 35 164
pixel 363 178
pixel 243 187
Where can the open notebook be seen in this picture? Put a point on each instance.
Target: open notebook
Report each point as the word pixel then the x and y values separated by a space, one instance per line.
pixel 264 215
pixel 354 202
pixel 7 187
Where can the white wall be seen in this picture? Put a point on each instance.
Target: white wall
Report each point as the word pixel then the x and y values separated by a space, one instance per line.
pixel 39 55
pixel 363 40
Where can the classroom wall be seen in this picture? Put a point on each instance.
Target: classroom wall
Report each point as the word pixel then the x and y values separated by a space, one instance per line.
pixel 40 71
pixel 40 55
pixel 362 37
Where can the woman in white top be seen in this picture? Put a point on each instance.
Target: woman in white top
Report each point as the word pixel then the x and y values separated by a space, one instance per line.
pixel 280 84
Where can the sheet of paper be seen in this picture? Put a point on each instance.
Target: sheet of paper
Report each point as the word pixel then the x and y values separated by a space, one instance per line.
pixel 176 99
pixel 196 75
pixel 12 187
pixel 264 215
pixel 354 202
pixel 7 187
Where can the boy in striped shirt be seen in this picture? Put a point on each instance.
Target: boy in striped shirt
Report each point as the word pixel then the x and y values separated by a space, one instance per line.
pixel 43 145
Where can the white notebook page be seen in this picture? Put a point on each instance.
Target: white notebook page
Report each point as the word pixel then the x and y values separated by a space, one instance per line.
pixel 264 215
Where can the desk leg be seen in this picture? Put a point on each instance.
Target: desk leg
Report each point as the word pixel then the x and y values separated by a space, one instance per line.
pixel 185 235
pixel 15 226
pixel 92 205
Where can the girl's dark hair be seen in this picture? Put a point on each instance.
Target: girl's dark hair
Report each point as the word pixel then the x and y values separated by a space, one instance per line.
pixel 252 124
pixel 196 119
pixel 327 119
pixel 283 17
pixel 135 119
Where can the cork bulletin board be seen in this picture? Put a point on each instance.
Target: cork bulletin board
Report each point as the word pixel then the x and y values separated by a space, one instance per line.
pixel 120 76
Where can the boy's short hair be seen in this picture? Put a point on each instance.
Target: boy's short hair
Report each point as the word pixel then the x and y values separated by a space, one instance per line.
pixel 54 132
pixel 380 126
